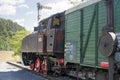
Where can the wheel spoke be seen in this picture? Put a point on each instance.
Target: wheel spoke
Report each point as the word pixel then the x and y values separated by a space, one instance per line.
pixel 44 66
pixel 37 65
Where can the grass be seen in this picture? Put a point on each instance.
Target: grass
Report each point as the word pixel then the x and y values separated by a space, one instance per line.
pixel 16 58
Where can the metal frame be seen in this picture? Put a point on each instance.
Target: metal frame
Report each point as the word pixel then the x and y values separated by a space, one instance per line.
pixel 110 25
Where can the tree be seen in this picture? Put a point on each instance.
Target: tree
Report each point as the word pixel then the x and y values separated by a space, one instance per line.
pixel 74 2
pixel 16 40
pixel 8 28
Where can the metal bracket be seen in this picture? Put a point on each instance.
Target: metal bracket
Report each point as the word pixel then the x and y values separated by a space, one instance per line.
pixel 110 16
pixel 110 28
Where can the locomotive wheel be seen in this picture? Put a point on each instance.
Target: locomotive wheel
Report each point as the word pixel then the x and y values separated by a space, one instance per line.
pixel 32 66
pixel 37 65
pixel 44 66
pixel 24 59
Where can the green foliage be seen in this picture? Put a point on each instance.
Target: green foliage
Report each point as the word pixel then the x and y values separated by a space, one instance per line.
pixel 7 27
pixel 3 43
pixel 16 40
pixel 74 2
pixel 7 30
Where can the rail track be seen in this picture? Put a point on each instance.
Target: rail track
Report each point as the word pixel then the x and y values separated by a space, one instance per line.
pixel 47 77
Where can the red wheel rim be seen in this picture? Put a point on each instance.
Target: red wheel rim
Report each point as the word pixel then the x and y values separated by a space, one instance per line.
pixel 32 66
pixel 44 66
pixel 37 65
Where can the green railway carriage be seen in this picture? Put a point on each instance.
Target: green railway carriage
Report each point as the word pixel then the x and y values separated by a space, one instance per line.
pixel 83 28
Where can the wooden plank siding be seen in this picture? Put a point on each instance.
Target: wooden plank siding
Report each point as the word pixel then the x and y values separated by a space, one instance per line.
pixel 80 26
pixel 73 28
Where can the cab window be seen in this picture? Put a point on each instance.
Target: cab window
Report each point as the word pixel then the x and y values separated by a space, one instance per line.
pixel 56 22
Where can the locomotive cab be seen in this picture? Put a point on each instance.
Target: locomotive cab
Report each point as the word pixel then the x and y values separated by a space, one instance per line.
pixel 55 35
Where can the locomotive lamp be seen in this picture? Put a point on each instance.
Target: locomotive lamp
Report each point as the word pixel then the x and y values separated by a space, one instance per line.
pixel 61 61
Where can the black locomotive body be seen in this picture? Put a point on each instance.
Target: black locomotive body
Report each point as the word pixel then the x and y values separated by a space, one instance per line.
pixel 45 43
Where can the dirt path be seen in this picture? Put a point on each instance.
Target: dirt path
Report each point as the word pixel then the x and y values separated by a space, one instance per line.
pixel 6 56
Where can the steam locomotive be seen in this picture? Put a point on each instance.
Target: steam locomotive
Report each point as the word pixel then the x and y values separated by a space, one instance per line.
pixel 82 42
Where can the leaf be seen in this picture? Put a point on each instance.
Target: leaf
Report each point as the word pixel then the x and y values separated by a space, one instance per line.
pixel 16 40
